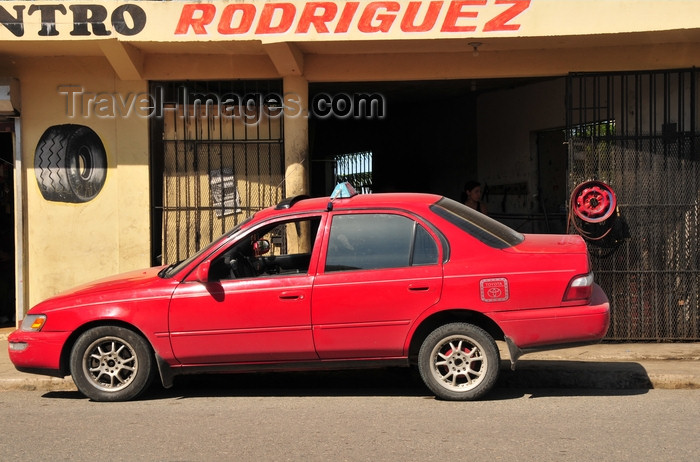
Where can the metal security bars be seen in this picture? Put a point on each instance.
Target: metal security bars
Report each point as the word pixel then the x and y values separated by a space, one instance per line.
pixel 217 158
pixel 637 131
pixel 356 169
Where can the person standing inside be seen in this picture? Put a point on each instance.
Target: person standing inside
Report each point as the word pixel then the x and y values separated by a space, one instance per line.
pixel 472 192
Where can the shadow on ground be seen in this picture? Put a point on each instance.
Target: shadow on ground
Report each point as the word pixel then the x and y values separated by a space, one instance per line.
pixel 538 378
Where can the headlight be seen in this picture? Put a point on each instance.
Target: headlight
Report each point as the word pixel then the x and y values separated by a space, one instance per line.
pixel 33 322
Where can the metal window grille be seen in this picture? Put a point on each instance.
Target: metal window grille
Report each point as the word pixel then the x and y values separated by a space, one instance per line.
pixel 220 159
pixel 637 131
pixel 356 169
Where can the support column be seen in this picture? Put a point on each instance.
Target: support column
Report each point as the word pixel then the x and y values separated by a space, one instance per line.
pixel 20 237
pixel 296 135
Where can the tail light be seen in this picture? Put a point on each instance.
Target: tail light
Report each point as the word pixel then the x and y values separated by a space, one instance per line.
pixel 579 290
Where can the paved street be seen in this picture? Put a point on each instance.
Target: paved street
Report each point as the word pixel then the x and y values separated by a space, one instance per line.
pixel 229 421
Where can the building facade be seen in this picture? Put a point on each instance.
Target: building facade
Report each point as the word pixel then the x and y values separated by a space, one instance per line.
pixel 133 133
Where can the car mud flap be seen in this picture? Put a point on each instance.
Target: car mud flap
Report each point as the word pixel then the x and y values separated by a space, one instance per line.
pixel 514 352
pixel 165 371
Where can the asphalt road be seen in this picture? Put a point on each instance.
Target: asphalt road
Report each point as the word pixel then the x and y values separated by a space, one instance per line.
pixel 260 419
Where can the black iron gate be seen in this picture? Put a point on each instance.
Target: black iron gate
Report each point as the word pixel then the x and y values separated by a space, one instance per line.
pixel 217 157
pixel 355 168
pixel 638 132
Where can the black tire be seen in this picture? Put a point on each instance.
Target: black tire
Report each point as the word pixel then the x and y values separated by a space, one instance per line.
pixel 70 163
pixel 111 363
pixel 459 362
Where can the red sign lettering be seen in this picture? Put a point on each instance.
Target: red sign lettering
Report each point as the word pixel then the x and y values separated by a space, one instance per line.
pixel 287 10
pixel 309 17
pixel 367 22
pixel 455 13
pixel 346 17
pixel 204 13
pixel 460 16
pixel 408 23
pixel 500 22
pixel 247 15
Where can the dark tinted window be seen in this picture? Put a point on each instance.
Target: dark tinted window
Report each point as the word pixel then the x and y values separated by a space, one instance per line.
pixel 374 241
pixel 487 230
pixel 425 251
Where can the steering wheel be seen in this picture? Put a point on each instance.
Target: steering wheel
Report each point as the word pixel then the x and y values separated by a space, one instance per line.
pixel 242 267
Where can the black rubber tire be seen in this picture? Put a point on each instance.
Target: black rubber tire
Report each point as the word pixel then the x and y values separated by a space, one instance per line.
pixel 70 163
pixel 111 363
pixel 454 373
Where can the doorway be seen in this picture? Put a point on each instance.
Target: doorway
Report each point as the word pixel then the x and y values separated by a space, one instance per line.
pixel 7 236
pixel 552 167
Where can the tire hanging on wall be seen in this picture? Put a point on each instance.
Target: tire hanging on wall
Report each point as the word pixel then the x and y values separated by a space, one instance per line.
pixel 593 201
pixel 593 213
pixel 70 163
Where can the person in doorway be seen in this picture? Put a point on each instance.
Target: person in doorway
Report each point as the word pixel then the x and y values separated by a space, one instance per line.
pixel 472 193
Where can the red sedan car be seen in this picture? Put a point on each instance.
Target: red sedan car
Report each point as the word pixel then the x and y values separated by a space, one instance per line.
pixel 357 280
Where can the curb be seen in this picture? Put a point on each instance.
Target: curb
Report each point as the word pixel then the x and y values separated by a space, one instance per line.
pixel 37 384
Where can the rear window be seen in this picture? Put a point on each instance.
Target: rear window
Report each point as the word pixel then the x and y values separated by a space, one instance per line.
pixel 485 229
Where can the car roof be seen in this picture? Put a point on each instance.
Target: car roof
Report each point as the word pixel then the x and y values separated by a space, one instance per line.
pixel 407 201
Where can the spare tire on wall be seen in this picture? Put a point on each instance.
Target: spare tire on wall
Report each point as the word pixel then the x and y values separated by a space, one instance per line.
pixel 70 163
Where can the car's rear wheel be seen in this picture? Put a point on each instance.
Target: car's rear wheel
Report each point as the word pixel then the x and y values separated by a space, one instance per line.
pixel 110 363
pixel 459 362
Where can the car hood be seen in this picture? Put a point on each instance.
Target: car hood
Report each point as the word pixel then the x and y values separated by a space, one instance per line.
pixel 550 244
pixel 105 289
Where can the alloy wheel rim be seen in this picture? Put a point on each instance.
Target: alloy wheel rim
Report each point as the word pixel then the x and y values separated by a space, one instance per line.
pixel 458 363
pixel 110 363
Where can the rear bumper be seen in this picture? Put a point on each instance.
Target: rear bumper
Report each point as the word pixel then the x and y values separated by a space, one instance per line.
pixel 556 327
pixel 37 352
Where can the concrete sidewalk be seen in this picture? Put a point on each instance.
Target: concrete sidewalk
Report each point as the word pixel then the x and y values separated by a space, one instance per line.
pixel 603 366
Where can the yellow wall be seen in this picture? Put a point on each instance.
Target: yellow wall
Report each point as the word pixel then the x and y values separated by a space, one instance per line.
pixel 68 243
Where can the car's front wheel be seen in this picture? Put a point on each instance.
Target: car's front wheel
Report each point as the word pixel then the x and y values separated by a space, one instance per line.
pixel 111 363
pixel 459 362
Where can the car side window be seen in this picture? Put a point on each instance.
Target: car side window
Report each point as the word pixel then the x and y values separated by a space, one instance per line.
pixel 425 251
pixel 376 241
pixel 281 248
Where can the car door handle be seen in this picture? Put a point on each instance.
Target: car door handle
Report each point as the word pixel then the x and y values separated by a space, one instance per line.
pixel 291 296
pixel 418 288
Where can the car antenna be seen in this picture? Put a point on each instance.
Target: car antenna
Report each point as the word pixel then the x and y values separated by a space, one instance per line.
pixel 341 191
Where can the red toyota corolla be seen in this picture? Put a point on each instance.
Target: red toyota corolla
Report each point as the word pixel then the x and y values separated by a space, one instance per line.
pixel 357 280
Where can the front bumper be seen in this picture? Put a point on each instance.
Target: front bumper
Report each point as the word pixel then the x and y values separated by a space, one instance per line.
pixel 37 352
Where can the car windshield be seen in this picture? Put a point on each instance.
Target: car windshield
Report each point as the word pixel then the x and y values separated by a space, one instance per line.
pixel 487 230
pixel 175 268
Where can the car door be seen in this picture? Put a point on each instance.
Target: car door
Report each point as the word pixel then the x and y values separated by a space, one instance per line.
pixel 379 272
pixel 255 305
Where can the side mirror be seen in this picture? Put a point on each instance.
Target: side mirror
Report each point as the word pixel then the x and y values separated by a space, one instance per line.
pixel 202 273
pixel 261 247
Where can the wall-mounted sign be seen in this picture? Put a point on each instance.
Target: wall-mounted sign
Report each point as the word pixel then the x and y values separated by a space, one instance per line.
pixel 296 20
pixel 70 163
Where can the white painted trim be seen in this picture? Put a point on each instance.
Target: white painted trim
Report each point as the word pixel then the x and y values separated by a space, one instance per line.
pixel 19 225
